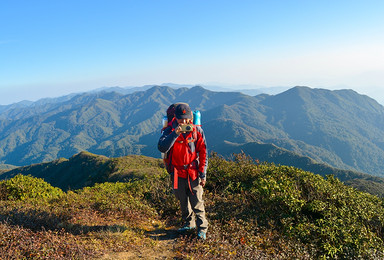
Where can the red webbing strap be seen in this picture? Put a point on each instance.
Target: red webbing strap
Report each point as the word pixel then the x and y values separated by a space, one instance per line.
pixel 175 179
pixel 189 184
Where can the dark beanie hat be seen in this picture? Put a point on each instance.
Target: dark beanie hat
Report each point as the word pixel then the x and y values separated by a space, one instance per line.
pixel 182 111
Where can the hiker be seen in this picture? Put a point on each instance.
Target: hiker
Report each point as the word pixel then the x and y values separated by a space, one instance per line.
pixel 187 160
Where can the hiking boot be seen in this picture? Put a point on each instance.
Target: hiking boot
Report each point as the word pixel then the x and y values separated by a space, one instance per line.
pixel 185 229
pixel 201 235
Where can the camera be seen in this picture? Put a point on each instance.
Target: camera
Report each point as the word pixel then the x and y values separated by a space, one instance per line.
pixel 187 128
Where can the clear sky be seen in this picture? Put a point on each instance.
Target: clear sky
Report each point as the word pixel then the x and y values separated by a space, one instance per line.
pixel 55 47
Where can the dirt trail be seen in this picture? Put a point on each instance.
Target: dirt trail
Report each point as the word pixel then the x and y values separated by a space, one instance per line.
pixel 162 249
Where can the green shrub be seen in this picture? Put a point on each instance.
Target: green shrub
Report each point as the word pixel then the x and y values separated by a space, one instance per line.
pixel 126 199
pixel 335 220
pixel 23 187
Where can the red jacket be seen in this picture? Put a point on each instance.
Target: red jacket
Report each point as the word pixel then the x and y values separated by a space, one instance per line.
pixel 187 153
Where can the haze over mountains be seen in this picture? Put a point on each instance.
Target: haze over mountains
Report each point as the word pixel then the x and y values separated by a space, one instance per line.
pixel 341 128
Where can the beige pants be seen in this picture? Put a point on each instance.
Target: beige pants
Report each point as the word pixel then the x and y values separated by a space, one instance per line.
pixel 191 203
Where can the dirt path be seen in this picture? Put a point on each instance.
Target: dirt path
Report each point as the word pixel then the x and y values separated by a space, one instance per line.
pixel 164 240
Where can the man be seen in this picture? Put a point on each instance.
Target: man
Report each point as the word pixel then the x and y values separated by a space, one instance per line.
pixel 188 161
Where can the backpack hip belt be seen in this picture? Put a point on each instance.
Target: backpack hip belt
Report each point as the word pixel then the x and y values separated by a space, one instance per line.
pixel 176 169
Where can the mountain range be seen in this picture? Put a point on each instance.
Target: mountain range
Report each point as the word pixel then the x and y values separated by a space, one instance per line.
pixel 341 128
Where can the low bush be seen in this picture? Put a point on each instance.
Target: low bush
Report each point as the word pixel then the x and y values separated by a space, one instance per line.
pixel 23 187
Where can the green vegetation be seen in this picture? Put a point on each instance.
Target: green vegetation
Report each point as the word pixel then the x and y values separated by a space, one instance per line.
pixel 81 224
pixel 273 154
pixel 255 211
pixel 27 187
pixel 86 169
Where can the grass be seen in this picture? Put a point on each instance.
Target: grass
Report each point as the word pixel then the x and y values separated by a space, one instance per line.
pixel 255 211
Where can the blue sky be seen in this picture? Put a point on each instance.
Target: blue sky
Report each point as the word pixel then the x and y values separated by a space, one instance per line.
pixel 55 47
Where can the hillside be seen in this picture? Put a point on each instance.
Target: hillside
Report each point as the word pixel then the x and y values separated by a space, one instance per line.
pixel 86 169
pixel 274 154
pixel 256 211
pixel 346 125
pixel 340 128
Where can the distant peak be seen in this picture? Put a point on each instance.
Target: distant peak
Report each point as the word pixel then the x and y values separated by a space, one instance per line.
pixel 87 155
pixel 157 88
pixel 299 89
pixel 198 87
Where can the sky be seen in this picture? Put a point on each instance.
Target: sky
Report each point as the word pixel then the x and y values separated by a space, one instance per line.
pixel 56 47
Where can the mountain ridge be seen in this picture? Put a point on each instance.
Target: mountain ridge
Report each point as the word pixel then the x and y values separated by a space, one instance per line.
pixel 341 128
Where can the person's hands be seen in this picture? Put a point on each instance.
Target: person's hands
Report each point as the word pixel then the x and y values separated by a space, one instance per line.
pixel 180 123
pixel 202 182
pixel 178 129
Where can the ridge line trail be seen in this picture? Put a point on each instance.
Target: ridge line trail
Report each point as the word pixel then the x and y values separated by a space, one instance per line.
pixel 164 240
